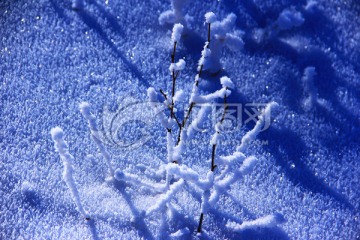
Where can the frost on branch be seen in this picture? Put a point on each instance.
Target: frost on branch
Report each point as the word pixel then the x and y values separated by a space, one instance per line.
pixel 176 32
pixel 61 147
pixel 166 197
pixel 251 135
pixel 222 34
pixel 86 112
pixel 210 17
pixel 180 65
pixel 269 221
pixel 205 54
pixel 180 233
pixel 152 95
pixel 227 83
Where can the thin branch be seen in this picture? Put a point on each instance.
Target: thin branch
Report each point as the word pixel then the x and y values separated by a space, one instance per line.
pixel 173 81
pixel 199 229
pixel 176 119
pixel 163 93
pixel 200 223
pixel 192 104
pixel 213 166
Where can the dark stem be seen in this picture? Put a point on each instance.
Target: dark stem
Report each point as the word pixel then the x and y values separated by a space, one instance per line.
pixel 200 223
pixel 209 34
pixel 225 108
pixel 163 93
pixel 173 76
pixel 196 84
pixel 179 135
pixel 213 166
pixel 187 114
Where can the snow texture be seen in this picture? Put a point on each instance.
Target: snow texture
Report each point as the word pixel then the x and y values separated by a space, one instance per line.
pixel 309 87
pixel 289 19
pixel 77 4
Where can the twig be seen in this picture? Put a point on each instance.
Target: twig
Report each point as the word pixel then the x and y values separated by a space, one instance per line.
pixel 199 229
pixel 174 76
pixel 176 119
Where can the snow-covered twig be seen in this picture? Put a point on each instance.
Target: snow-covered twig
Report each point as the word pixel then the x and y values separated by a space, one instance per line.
pixel 251 135
pixel 172 176
pixel 238 156
pixel 175 68
pixel 165 122
pixel 268 221
pixel 223 35
pixel 85 111
pixel 136 181
pixel 222 185
pixel 61 147
pixel 226 83
pixel 166 197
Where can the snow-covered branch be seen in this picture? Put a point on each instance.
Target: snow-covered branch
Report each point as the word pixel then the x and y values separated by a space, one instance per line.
pixel 61 147
pixel 85 111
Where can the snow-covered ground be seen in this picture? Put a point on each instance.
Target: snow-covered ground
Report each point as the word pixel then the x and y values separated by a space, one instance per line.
pixel 305 56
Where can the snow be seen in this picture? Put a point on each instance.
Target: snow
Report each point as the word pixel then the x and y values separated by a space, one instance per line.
pixel 226 82
pixel 301 162
pixel 179 96
pixel 251 135
pixel 180 233
pixel 78 4
pixel 289 19
pixel 176 32
pixel 210 17
pixel 180 65
pixel 264 222
pixel 223 33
